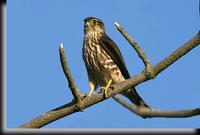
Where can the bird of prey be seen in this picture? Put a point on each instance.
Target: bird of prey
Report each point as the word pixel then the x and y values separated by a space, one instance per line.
pixel 103 60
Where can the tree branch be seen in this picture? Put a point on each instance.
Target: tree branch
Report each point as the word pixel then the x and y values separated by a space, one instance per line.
pixel 150 113
pixel 177 54
pixel 70 108
pixel 75 91
pixel 137 48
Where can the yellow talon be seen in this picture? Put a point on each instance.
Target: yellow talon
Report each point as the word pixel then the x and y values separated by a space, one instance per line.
pixel 106 88
pixel 92 89
pixel 90 93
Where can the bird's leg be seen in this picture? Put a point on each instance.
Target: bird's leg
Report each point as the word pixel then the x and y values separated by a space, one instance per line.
pixel 106 88
pixel 92 89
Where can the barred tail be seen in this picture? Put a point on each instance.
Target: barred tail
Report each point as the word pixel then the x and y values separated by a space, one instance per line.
pixel 134 97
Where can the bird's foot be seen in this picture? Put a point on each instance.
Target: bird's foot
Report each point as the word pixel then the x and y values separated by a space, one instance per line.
pixel 90 92
pixel 92 89
pixel 105 89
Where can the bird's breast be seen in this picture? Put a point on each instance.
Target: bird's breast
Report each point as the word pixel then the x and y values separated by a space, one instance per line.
pixel 91 51
pixel 98 62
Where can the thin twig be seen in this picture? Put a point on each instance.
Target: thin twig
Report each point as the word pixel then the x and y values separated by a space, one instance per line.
pixel 150 113
pixel 75 91
pixel 125 104
pixel 137 48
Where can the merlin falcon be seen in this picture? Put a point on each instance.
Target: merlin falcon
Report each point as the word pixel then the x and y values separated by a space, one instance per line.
pixel 103 60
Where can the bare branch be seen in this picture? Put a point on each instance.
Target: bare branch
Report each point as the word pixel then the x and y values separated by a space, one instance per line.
pixel 76 93
pixel 51 116
pixel 137 48
pixel 150 113
pixel 168 114
pixel 125 104
pixel 63 111
pixel 177 54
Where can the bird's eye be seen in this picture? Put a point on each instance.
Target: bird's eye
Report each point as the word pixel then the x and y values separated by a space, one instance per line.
pixel 94 22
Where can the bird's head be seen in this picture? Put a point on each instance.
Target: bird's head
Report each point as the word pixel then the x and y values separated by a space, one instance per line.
pixel 92 24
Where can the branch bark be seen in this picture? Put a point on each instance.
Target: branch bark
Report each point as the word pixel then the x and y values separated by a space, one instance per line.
pixel 72 107
pixel 75 91
pixel 150 113
pixel 137 48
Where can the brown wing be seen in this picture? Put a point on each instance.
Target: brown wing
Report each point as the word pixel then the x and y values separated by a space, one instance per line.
pixel 113 51
pixel 111 48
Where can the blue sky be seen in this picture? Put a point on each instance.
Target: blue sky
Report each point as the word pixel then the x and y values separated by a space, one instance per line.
pixel 35 80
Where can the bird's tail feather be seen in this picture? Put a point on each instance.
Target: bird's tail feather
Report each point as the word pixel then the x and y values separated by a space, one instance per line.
pixel 134 97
